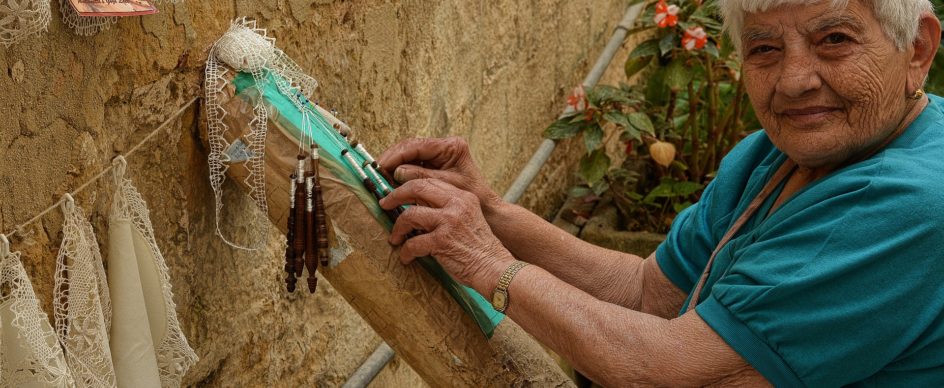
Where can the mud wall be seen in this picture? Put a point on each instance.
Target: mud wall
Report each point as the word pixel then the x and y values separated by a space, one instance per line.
pixel 496 72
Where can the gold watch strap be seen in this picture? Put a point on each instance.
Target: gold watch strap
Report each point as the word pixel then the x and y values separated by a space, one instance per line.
pixel 505 280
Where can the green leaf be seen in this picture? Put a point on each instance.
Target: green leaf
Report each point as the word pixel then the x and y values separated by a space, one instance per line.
pixel 679 207
pixel 642 122
pixel 617 118
pixel 593 167
pixel 663 190
pixel 656 93
pixel 677 76
pixel 593 138
pixel 604 94
pixel 630 133
pixel 635 65
pixel 683 189
pixel 712 50
pixel 648 48
pixel 600 187
pixel 667 43
pixel 562 129
pixel 578 191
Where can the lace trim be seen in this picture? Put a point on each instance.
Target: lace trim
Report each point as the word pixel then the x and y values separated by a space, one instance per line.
pixel 82 304
pixel 246 48
pixel 174 354
pixel 22 18
pixel 44 361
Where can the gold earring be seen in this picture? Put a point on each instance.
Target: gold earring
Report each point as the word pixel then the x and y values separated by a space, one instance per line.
pixel 917 95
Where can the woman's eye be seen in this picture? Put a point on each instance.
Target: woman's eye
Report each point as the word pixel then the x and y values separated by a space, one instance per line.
pixel 836 38
pixel 762 49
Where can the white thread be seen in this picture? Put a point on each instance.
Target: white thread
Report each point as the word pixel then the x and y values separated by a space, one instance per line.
pixel 18 229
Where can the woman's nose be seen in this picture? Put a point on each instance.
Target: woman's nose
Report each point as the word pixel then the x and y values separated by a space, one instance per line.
pixel 798 76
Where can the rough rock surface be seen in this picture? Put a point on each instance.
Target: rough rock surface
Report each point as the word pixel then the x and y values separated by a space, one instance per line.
pixel 495 72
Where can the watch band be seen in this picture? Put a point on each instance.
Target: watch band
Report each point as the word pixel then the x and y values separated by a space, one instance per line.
pixel 505 280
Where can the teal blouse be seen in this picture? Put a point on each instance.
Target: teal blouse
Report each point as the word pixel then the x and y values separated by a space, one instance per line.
pixel 843 284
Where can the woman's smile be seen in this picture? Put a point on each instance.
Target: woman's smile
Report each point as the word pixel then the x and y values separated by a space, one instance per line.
pixel 811 117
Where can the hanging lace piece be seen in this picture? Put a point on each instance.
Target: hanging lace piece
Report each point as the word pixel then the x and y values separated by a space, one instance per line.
pixel 22 18
pixel 84 25
pixel 245 48
pixel 147 344
pixel 29 350
pixel 82 303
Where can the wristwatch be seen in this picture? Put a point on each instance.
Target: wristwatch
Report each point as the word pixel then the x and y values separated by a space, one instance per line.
pixel 500 295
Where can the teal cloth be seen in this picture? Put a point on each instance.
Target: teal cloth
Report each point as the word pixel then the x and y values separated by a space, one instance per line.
pixel 841 285
pixel 281 109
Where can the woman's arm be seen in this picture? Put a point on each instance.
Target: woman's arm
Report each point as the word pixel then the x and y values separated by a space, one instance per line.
pixel 612 344
pixel 611 276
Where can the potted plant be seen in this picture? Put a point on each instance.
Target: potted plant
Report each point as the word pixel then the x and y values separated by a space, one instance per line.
pixel 685 112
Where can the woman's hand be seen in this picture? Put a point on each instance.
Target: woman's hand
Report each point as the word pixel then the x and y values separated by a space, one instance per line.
pixel 448 160
pixel 453 230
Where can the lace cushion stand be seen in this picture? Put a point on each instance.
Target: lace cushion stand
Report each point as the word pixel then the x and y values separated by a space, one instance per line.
pixel 30 355
pixel 405 305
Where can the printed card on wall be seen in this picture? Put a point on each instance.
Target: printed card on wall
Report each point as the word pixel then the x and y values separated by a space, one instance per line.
pixel 113 7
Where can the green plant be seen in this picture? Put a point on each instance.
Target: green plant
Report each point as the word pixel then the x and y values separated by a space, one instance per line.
pixel 685 113
pixel 936 77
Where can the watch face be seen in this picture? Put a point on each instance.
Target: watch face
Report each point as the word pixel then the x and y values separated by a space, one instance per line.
pixel 499 300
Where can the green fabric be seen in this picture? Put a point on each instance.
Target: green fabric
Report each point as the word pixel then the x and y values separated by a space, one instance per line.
pixel 841 285
pixel 284 113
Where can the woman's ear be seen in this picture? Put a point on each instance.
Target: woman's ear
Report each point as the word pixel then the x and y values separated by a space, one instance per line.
pixel 925 48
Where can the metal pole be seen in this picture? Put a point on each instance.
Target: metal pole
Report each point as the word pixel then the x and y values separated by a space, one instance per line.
pixel 371 367
pixel 384 353
pixel 531 170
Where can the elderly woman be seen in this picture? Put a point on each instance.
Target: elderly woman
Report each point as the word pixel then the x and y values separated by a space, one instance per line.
pixel 816 257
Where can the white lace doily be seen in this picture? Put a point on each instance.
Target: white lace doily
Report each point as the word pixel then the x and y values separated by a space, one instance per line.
pixel 173 353
pixel 81 301
pixel 22 18
pixel 29 350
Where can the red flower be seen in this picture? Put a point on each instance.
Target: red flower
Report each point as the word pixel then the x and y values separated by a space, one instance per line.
pixel 666 15
pixel 578 99
pixel 695 38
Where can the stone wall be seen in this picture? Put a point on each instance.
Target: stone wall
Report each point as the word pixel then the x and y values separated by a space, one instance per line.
pixel 495 72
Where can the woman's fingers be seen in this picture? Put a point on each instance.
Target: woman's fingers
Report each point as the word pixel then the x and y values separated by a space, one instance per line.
pixel 409 172
pixel 419 246
pixel 415 151
pixel 415 218
pixel 425 192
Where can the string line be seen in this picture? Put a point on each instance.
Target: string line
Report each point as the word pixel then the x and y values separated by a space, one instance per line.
pixel 135 148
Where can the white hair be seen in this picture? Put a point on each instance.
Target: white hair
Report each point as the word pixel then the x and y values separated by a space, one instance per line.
pixel 899 18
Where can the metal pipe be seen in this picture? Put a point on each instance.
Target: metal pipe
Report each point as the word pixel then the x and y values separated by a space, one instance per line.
pixel 383 354
pixel 371 367
pixel 540 157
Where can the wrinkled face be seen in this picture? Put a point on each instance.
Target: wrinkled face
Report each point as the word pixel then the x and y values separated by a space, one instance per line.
pixel 826 84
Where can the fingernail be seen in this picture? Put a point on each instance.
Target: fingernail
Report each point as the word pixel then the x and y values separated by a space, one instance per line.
pixel 400 174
